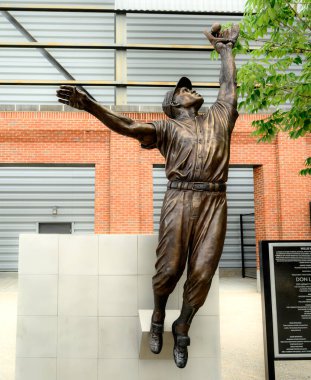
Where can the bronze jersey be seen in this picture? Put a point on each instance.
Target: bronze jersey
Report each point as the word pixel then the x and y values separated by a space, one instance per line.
pixel 197 150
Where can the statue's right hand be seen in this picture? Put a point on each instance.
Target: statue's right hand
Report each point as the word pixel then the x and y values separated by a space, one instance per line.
pixel 220 38
pixel 72 97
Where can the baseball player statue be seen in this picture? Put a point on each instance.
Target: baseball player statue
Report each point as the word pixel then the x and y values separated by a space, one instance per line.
pixel 193 221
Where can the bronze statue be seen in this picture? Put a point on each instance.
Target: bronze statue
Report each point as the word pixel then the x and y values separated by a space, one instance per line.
pixel 194 212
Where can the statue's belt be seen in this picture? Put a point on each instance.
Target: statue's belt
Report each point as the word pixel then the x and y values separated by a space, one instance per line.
pixel 197 186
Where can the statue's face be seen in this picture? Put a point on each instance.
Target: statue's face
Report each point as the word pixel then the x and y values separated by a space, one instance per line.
pixel 188 98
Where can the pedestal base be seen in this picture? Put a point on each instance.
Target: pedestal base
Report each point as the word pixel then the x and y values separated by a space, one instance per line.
pixel 78 303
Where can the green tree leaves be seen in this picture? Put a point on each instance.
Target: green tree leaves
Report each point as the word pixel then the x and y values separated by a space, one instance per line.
pixel 307 170
pixel 270 79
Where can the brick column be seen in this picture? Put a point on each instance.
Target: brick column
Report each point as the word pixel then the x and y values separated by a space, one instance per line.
pixel 295 190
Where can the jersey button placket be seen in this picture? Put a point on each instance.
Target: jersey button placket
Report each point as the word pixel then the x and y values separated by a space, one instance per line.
pixel 199 151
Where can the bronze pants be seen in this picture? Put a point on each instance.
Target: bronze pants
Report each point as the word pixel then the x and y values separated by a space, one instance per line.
pixel 192 228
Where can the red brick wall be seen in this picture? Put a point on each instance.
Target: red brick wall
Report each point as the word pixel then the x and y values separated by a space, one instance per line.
pixel 123 183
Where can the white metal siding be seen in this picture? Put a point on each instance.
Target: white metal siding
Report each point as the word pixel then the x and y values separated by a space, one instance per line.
pixel 62 26
pixel 82 64
pixel 63 2
pixel 28 195
pixel 183 5
pixel 170 65
pixel 143 65
pixel 240 195
pixel 172 29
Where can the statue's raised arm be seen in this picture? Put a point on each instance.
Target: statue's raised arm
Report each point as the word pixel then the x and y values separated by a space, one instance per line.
pixel 223 42
pixel 76 98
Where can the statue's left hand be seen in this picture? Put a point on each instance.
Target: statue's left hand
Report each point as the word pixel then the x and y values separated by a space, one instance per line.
pixel 220 38
pixel 73 97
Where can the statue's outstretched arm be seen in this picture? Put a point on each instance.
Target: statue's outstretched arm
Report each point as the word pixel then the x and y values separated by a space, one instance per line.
pixel 223 43
pixel 123 125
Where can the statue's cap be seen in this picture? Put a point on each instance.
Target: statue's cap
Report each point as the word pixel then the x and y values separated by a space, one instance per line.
pixel 167 102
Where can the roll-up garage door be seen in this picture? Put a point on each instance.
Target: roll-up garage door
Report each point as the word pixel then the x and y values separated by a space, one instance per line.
pixel 240 194
pixel 32 196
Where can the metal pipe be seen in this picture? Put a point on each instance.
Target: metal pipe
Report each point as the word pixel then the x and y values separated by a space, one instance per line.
pixel 101 83
pixel 62 45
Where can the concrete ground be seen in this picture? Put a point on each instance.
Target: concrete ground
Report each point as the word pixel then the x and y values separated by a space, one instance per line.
pixel 242 335
pixel 240 324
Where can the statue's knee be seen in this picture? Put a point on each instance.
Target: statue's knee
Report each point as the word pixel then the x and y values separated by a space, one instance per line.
pixel 165 280
pixel 171 272
pixel 202 277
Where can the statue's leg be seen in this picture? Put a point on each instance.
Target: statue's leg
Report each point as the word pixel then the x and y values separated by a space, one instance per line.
pixel 172 250
pixel 157 323
pixel 208 240
pixel 206 247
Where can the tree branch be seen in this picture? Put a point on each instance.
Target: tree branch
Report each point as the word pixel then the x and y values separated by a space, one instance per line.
pixel 298 16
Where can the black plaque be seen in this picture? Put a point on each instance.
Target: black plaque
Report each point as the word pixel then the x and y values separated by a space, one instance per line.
pixel 290 273
pixel 286 295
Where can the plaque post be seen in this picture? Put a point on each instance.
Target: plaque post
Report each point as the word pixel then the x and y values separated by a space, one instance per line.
pixel 266 312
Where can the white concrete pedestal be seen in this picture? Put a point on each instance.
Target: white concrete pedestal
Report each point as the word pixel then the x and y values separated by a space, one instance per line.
pixel 78 303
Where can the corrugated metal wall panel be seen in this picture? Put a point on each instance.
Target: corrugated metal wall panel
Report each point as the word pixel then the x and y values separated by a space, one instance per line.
pixel 240 195
pixel 154 96
pixel 8 32
pixel 64 2
pixel 81 64
pixel 99 64
pixel 183 5
pixel 170 65
pixel 28 195
pixel 29 95
pixel 26 64
pixel 66 27
pixel 172 29
pixel 249 238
